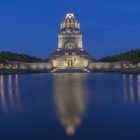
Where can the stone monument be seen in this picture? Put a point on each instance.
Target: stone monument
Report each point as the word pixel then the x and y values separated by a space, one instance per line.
pixel 70 54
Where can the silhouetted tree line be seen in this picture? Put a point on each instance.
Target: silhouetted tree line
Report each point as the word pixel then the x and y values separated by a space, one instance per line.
pixel 10 56
pixel 133 56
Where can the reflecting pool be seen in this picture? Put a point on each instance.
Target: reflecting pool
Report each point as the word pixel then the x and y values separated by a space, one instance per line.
pixel 70 106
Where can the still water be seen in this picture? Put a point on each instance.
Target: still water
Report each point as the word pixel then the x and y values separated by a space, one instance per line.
pixel 70 106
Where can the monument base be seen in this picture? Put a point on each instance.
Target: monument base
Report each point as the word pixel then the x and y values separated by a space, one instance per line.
pixel 70 71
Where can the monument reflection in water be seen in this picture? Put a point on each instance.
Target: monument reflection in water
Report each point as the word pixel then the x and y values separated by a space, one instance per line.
pixel 70 93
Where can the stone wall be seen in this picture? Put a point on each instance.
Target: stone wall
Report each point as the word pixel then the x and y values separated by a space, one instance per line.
pixel 79 63
pixel 109 65
pixel 100 65
pixel 38 66
pixel 22 65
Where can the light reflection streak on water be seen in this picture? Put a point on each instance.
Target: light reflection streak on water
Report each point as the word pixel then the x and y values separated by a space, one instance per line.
pixel 125 90
pixel 10 101
pixel 18 100
pixel 10 92
pixel 131 86
pixel 130 95
pixel 70 99
pixel 128 88
pixel 2 94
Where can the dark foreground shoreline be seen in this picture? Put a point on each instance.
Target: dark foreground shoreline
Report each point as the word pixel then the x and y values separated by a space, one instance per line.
pixel 23 71
pixel 122 71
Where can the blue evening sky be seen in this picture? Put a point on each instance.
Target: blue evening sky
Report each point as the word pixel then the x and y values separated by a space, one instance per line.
pixel 32 26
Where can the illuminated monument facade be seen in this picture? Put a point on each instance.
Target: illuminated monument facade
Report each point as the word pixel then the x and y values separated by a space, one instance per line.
pixel 70 53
